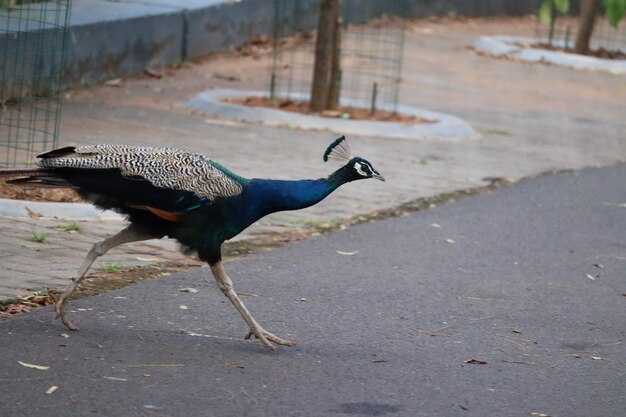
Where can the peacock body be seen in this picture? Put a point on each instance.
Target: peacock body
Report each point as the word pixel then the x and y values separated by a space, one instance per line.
pixel 183 195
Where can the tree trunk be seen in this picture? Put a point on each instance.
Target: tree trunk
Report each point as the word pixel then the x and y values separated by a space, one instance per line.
pixel 335 70
pixel 330 12
pixel 588 12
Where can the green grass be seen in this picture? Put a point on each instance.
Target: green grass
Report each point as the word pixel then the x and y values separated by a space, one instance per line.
pixel 38 237
pixel 71 227
pixel 111 267
pixel 320 224
pixel 177 64
pixel 498 132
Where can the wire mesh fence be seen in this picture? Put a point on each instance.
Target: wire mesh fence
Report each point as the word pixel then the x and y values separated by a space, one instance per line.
pixel 563 34
pixel 32 47
pixel 371 52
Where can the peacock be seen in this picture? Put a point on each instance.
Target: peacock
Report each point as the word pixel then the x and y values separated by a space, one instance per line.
pixel 183 195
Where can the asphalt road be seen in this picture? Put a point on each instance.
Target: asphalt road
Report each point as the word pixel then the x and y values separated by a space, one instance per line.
pixel 505 304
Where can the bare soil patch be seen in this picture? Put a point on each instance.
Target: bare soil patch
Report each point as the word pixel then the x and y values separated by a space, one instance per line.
pixel 56 195
pixel 597 53
pixel 341 112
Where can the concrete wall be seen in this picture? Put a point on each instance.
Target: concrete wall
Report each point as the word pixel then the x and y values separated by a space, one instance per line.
pixel 116 38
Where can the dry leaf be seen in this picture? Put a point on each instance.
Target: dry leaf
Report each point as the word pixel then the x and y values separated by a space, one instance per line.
pixel 52 389
pixel 32 366
pixel 32 214
pixel 331 113
pixel 620 205
pixel 147 259
pixel 153 73
pixel 347 253
pixel 476 362
pixel 112 378
pixel 115 82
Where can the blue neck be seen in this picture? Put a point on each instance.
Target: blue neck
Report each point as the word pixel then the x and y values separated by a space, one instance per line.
pixel 261 197
pixel 270 196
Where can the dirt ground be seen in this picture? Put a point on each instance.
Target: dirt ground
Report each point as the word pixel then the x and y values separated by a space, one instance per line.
pixel 56 195
pixel 343 112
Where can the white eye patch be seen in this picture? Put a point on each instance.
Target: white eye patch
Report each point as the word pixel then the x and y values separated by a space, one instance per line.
pixel 359 168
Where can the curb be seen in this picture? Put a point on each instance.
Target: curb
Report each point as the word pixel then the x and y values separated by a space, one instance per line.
pixel 447 126
pixel 71 211
pixel 510 46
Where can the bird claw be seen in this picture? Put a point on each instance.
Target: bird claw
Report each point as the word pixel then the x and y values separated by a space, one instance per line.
pixel 267 338
pixel 60 311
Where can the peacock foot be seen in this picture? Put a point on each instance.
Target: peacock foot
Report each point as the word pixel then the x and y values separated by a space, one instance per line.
pixel 60 308
pixel 267 338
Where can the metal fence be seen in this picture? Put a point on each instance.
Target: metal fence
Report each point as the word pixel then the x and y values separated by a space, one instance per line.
pixel 32 48
pixel 371 51
pixel 565 28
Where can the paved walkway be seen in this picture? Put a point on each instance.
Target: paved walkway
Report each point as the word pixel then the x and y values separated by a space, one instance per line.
pixel 531 119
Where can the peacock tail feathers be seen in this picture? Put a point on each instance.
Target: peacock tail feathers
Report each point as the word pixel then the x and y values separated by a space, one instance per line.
pixel 166 168
pixel 339 150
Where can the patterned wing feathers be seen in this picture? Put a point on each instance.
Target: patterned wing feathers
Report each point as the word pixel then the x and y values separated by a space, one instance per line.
pixel 162 167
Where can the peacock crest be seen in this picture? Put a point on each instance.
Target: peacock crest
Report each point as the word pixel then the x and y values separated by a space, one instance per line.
pixel 339 150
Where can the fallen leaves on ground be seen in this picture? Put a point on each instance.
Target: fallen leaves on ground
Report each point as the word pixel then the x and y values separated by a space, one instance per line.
pixel 115 82
pixel 342 112
pixel 65 195
pixel 476 362
pixel 348 253
pixel 147 259
pixel 26 303
pixel 33 366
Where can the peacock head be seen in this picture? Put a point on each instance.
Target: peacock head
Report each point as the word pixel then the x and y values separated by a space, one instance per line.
pixel 356 168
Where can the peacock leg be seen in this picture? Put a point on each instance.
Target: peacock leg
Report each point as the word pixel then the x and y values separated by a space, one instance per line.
pixel 130 234
pixel 225 284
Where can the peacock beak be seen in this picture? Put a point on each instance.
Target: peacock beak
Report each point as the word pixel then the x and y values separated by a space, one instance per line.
pixel 378 177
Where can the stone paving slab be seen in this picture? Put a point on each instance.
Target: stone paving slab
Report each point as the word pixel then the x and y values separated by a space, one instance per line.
pixel 28 265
